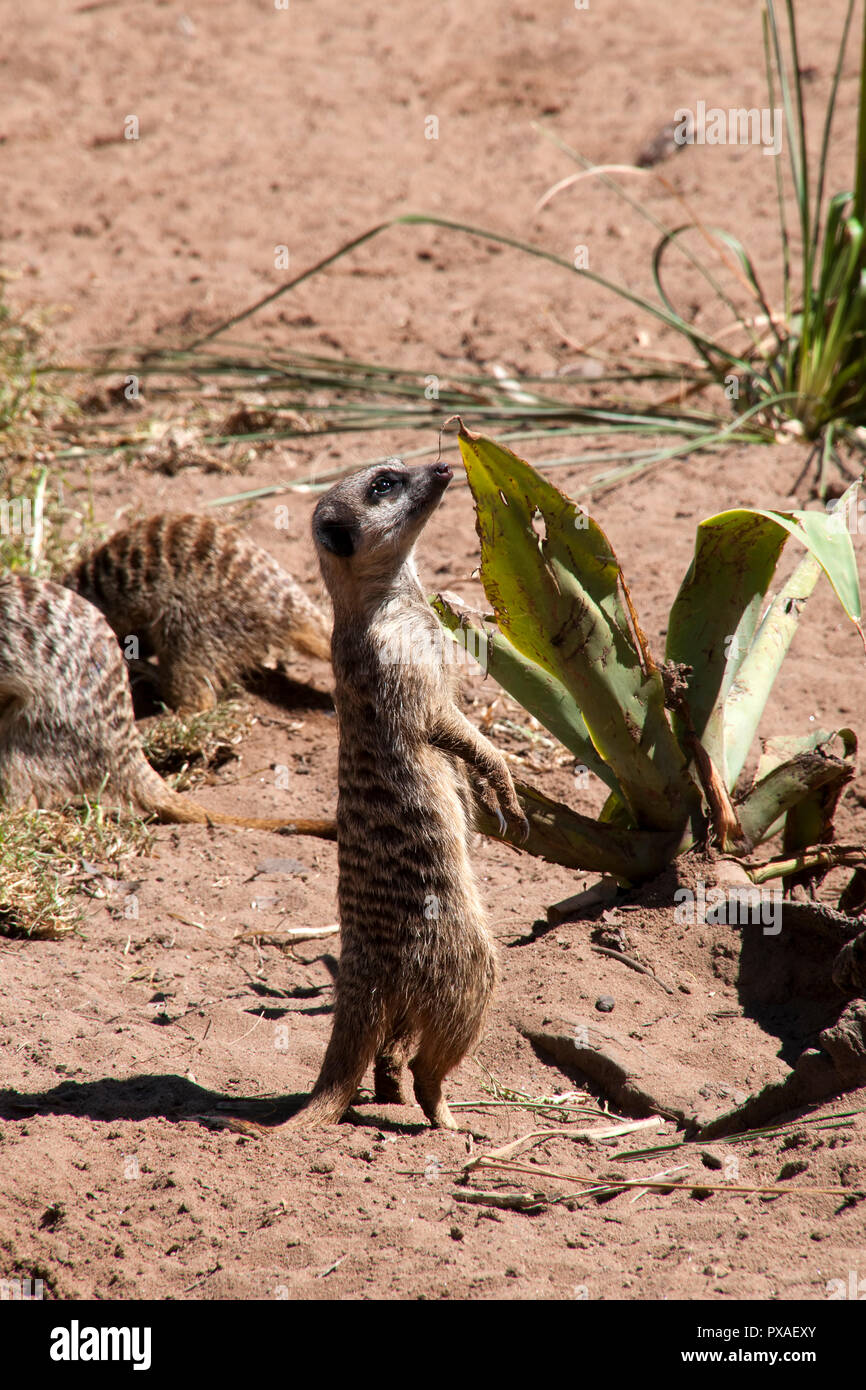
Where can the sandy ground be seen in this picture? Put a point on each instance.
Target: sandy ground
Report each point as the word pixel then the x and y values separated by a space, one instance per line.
pixel 127 1046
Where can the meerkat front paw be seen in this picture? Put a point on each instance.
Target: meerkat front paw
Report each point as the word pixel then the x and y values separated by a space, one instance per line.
pixel 488 800
pixel 511 821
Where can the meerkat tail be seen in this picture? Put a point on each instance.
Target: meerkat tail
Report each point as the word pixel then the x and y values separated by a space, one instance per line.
pixel 156 797
pixel 309 628
pixel 313 641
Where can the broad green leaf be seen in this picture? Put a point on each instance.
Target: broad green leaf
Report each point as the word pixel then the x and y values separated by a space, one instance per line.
pixel 811 814
pixel 615 812
pixel 535 689
pixel 827 536
pixel 716 611
pixel 714 620
pixel 810 821
pixel 559 596
pixel 783 788
pixel 779 750
pixel 750 689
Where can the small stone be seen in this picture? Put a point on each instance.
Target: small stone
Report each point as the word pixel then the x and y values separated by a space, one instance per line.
pixel 281 866
pixel 605 1003
pixel 710 1160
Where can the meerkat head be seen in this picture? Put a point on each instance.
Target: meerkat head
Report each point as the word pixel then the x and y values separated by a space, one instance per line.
pixel 366 526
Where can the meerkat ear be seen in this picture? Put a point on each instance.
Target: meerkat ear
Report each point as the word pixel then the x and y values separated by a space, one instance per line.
pixel 337 537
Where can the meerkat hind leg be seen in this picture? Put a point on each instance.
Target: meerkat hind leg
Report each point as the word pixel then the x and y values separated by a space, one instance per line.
pixel 389 1070
pixel 185 687
pixel 428 1093
pixel 354 1043
pixel 434 1060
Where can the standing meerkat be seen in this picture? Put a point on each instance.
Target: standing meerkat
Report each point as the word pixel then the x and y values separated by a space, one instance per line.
pixel 417 965
pixel 67 727
pixel 208 602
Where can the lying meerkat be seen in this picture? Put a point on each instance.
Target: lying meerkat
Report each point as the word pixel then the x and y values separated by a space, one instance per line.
pixel 418 965
pixel 67 727
pixel 209 603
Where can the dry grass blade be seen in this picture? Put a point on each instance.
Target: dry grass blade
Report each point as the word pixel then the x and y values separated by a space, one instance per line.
pixel 287 938
pixel 842 1121
pixel 581 1135
pixel 665 1173
pixel 561 1107
pixel 504 1201
pixel 625 1184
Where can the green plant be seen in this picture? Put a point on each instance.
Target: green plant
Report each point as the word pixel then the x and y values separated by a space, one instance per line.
pixel 52 862
pixel 29 405
pixel 20 393
pixel 34 518
pixel 794 372
pixel 186 748
pixel 669 741
pixel 821 365
pixel 802 368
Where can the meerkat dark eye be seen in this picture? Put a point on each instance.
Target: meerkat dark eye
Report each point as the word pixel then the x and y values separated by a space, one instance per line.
pixel 384 485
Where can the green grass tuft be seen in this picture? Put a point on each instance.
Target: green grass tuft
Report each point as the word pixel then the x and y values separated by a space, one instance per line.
pixel 52 863
pixel 185 748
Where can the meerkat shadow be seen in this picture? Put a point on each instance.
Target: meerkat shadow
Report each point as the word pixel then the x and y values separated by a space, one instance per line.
pixel 140 1097
pixel 171 1097
pixel 404 1120
pixel 279 688
pixel 363 1113
pixel 380 1120
pixel 147 701
pixel 275 686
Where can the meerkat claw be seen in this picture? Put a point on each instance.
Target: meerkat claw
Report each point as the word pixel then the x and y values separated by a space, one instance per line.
pixel 518 824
